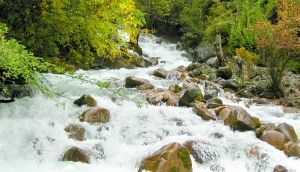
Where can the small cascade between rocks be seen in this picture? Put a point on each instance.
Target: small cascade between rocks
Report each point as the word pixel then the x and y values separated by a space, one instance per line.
pixel 37 133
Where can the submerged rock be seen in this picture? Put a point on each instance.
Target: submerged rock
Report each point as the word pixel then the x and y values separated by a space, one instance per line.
pixel 86 100
pixel 191 96
pixel 201 151
pixel 280 168
pixel 170 158
pixel 95 115
pixel 143 84
pixel 76 154
pixel 160 73
pixel 76 132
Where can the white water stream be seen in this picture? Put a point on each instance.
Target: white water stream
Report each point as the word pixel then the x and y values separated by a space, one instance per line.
pixel 32 136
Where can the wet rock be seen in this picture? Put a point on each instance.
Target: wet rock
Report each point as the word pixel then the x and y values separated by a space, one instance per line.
pixel 214 103
pixel 217 135
pixel 280 168
pixel 98 151
pixel 229 84
pixel 224 72
pixel 157 97
pixel 291 110
pixel 76 154
pixel 237 118
pixel 170 158
pixel 201 151
pixel 175 88
pixel 201 111
pixel 274 138
pixel 161 73
pixel 191 96
pixel 20 91
pixel 291 149
pixel 95 115
pixel 209 94
pixel 288 131
pixel 256 121
pixel 76 132
pixel 153 61
pixel 131 82
pixel 86 100
pixel 264 127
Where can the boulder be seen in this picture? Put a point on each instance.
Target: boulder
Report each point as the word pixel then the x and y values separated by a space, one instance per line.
pixel 76 154
pixel 202 54
pixel 274 138
pixel 213 62
pixel 230 83
pixel 291 149
pixel 264 127
pixel 237 118
pixel 175 88
pixel 152 61
pixel 201 151
pixel 76 132
pixel 201 111
pixel 86 100
pixel 160 73
pixel 224 72
pixel 279 168
pixel 131 82
pixel 95 115
pixel 190 96
pixel 209 94
pixel 214 103
pixel 170 158
pixel 156 97
pixel 288 131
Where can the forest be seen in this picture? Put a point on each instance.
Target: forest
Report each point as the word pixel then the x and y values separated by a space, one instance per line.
pixel 149 85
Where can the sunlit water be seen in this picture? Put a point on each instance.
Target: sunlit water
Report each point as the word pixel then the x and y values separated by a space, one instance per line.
pixel 32 136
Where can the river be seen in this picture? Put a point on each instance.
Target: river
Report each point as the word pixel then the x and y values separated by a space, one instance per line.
pixel 32 136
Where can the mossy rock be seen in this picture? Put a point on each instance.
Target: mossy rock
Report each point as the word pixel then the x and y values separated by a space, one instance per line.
pixel 86 100
pixel 191 96
pixel 170 158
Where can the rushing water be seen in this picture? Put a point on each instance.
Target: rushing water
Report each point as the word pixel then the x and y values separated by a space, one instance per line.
pixel 32 136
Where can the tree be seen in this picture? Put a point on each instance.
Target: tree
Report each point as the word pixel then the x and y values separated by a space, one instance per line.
pixel 279 43
pixel 19 66
pixel 78 31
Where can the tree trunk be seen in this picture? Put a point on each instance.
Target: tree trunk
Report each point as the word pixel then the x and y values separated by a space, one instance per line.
pixel 219 50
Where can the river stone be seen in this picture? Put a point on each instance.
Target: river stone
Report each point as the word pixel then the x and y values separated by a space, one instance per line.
pixel 274 138
pixel 76 132
pixel 237 118
pixel 291 149
pixel 76 154
pixel 224 72
pixel 201 151
pixel 229 84
pixel 214 103
pixel 161 73
pixel 175 88
pixel 190 96
pixel 170 158
pixel 288 132
pixel 209 94
pixel 95 115
pixel 201 111
pixel 156 97
pixel 279 168
pixel 131 82
pixel 86 100
pixel 256 121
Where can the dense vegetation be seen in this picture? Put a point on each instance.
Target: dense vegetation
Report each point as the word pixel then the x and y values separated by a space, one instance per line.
pixel 78 32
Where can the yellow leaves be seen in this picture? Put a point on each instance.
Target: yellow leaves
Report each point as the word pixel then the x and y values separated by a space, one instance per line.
pixel 247 55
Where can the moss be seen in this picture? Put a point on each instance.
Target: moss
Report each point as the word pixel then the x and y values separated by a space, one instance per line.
pixel 185 158
pixel 174 169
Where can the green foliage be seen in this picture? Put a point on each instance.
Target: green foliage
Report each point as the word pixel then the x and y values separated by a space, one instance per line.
pixel 17 65
pixel 76 30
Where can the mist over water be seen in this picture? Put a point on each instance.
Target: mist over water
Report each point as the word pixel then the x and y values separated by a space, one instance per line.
pixel 32 136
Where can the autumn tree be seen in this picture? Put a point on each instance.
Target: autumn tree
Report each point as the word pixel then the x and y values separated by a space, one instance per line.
pixel 279 43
